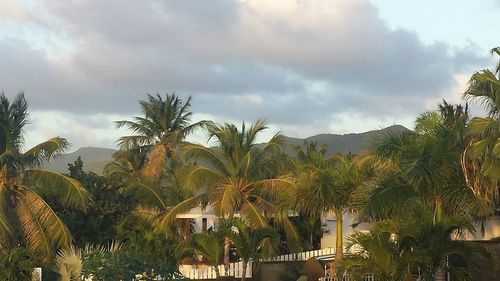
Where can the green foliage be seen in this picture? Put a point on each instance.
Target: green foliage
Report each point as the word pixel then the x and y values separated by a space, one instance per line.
pixel 16 264
pixel 117 263
pixel 154 249
pixel 209 245
pixel 396 248
pixel 482 170
pixel 25 215
pixel 165 124
pixel 310 229
pixel 99 224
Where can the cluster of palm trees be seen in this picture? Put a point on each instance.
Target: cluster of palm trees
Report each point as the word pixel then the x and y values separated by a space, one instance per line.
pixel 419 189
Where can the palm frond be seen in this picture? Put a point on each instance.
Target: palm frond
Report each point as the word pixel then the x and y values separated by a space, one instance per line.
pixel 157 159
pixel 42 227
pixel 148 192
pixel 67 190
pixel 69 263
pixel 168 217
pixel 199 177
pixel 5 228
pixel 254 215
pixel 45 151
pixel 273 188
pixel 133 142
pixel 226 199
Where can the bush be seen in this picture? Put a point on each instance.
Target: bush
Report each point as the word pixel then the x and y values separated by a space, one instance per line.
pixel 16 264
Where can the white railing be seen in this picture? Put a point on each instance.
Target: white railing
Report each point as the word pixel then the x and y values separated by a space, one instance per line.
pixel 236 269
pixel 303 256
pixel 208 272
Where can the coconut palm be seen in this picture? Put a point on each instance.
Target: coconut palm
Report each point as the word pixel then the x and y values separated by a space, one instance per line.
pixel 329 183
pixel 483 151
pixel 165 124
pixel 234 178
pixel 23 186
pixel 424 164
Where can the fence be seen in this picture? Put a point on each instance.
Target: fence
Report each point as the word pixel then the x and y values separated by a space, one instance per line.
pixel 208 272
pixel 303 256
pixel 236 269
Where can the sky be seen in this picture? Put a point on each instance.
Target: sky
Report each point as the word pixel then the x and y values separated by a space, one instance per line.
pixel 308 67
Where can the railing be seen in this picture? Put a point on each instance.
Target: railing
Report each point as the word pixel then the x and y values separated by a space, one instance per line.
pixel 208 272
pixel 303 256
pixel 236 269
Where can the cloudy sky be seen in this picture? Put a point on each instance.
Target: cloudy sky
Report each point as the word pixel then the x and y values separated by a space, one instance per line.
pixel 307 66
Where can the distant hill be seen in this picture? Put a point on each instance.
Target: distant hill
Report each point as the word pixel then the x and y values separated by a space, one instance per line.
pixel 346 143
pixel 95 158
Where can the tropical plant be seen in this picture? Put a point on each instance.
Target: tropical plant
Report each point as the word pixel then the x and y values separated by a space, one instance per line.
pixel 329 183
pixel 424 165
pixel 483 150
pixel 397 248
pixel 110 205
pixel 209 245
pixel 16 264
pixel 165 124
pixel 69 263
pixel 229 178
pixel 116 262
pixel 252 244
pixel 23 186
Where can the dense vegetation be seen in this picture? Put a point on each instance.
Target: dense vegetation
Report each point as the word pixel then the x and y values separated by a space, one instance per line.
pixel 420 190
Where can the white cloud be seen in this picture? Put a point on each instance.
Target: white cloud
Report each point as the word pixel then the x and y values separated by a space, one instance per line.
pixel 306 66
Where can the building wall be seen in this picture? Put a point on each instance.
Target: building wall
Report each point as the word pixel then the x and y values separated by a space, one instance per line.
pixel 330 235
pixel 491 230
pixel 491 227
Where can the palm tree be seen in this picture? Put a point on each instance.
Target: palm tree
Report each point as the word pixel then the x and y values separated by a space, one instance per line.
pixel 235 178
pixel 330 185
pixel 165 124
pixel 398 247
pixel 210 246
pixel 483 150
pixel 251 244
pixel 424 164
pixel 23 185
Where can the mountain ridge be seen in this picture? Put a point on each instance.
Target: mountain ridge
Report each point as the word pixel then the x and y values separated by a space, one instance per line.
pixel 95 158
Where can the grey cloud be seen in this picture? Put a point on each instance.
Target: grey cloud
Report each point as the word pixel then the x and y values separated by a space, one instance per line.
pixel 227 52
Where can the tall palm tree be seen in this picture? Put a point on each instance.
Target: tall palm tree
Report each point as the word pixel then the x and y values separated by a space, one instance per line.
pixel 424 164
pixel 235 178
pixel 329 183
pixel 483 151
pixel 23 186
pixel 165 124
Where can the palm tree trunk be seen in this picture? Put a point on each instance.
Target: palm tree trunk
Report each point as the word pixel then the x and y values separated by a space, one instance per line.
pixel 438 209
pixel 227 245
pixel 244 271
pixel 339 248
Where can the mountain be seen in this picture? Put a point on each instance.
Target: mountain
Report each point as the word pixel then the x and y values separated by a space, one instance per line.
pixel 346 143
pixel 95 158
